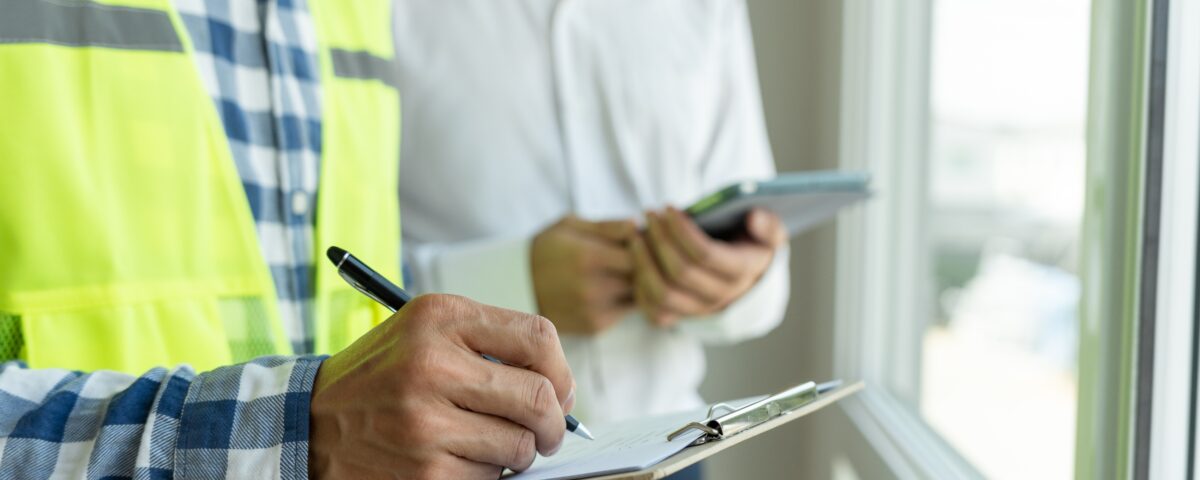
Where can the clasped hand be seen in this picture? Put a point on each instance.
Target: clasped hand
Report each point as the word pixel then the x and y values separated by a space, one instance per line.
pixel 588 275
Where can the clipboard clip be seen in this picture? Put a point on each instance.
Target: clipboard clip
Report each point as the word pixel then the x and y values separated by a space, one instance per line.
pixel 734 420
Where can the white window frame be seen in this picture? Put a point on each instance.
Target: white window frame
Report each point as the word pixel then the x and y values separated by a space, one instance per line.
pixel 1174 377
pixel 884 98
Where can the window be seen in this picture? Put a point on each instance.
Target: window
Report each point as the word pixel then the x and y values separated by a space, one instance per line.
pixel 1009 205
pixel 959 285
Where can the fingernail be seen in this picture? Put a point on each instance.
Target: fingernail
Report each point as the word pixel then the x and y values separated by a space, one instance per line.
pixel 569 403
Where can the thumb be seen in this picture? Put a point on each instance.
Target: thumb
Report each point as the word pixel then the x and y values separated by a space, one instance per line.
pixel 766 228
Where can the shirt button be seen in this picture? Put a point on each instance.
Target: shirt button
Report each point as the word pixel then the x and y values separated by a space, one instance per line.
pixel 299 203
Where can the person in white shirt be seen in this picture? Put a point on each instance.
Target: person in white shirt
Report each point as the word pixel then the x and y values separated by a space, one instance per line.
pixel 541 136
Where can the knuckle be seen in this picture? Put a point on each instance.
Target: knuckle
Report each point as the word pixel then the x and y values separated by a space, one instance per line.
pixel 453 303
pixel 423 303
pixel 441 312
pixel 542 333
pixel 427 308
pixel 540 397
pixel 523 450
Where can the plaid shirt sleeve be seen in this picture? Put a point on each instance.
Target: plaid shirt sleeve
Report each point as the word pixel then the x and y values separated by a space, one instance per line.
pixel 242 421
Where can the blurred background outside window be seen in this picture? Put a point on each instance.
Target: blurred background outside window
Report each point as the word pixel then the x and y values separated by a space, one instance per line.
pixel 1007 114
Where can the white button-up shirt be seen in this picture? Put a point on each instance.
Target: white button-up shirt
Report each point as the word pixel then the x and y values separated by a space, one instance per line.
pixel 518 112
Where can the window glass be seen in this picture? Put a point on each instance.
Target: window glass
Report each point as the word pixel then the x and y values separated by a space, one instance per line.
pixel 1006 188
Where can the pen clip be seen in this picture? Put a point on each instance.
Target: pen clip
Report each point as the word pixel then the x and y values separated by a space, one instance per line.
pixel 363 290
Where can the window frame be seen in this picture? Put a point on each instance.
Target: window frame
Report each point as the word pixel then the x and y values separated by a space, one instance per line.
pixel 885 98
pixel 1171 449
pixel 1113 239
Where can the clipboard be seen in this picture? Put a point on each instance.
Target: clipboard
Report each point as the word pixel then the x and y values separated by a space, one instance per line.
pixel 726 426
pixel 741 425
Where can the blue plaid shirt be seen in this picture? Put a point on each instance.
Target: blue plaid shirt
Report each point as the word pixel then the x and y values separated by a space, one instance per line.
pixel 258 61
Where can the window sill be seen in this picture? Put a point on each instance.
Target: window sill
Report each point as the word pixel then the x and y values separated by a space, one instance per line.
pixel 909 447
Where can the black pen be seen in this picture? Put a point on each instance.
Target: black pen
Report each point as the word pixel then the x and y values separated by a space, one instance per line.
pixel 374 285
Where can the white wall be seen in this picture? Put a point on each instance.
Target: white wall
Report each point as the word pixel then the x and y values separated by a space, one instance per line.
pixel 798 44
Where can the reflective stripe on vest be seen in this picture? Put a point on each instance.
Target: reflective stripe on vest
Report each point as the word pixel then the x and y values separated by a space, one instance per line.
pixel 87 24
pixel 130 239
pixel 363 65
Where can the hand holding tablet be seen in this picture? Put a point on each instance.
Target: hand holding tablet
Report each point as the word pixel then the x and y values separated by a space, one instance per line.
pixel 698 262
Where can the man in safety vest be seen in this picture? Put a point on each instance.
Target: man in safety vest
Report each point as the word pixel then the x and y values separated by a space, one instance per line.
pixel 170 171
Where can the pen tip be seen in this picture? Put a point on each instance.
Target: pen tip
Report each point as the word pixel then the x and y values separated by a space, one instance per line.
pixel 335 255
pixel 583 432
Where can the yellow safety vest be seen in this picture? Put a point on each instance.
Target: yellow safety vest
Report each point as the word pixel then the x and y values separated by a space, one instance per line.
pixel 126 238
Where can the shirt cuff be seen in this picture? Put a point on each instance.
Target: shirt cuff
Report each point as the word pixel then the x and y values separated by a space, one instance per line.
pixel 493 272
pixel 248 421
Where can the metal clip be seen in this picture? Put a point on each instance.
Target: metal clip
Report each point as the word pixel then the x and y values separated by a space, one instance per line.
pixel 739 419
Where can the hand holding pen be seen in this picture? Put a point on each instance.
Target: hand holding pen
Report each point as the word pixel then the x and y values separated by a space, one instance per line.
pixel 375 286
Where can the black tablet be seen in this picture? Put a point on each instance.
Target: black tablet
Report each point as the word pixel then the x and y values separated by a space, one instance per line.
pixel 801 199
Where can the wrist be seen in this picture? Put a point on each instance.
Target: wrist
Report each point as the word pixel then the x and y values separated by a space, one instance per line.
pixel 320 433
